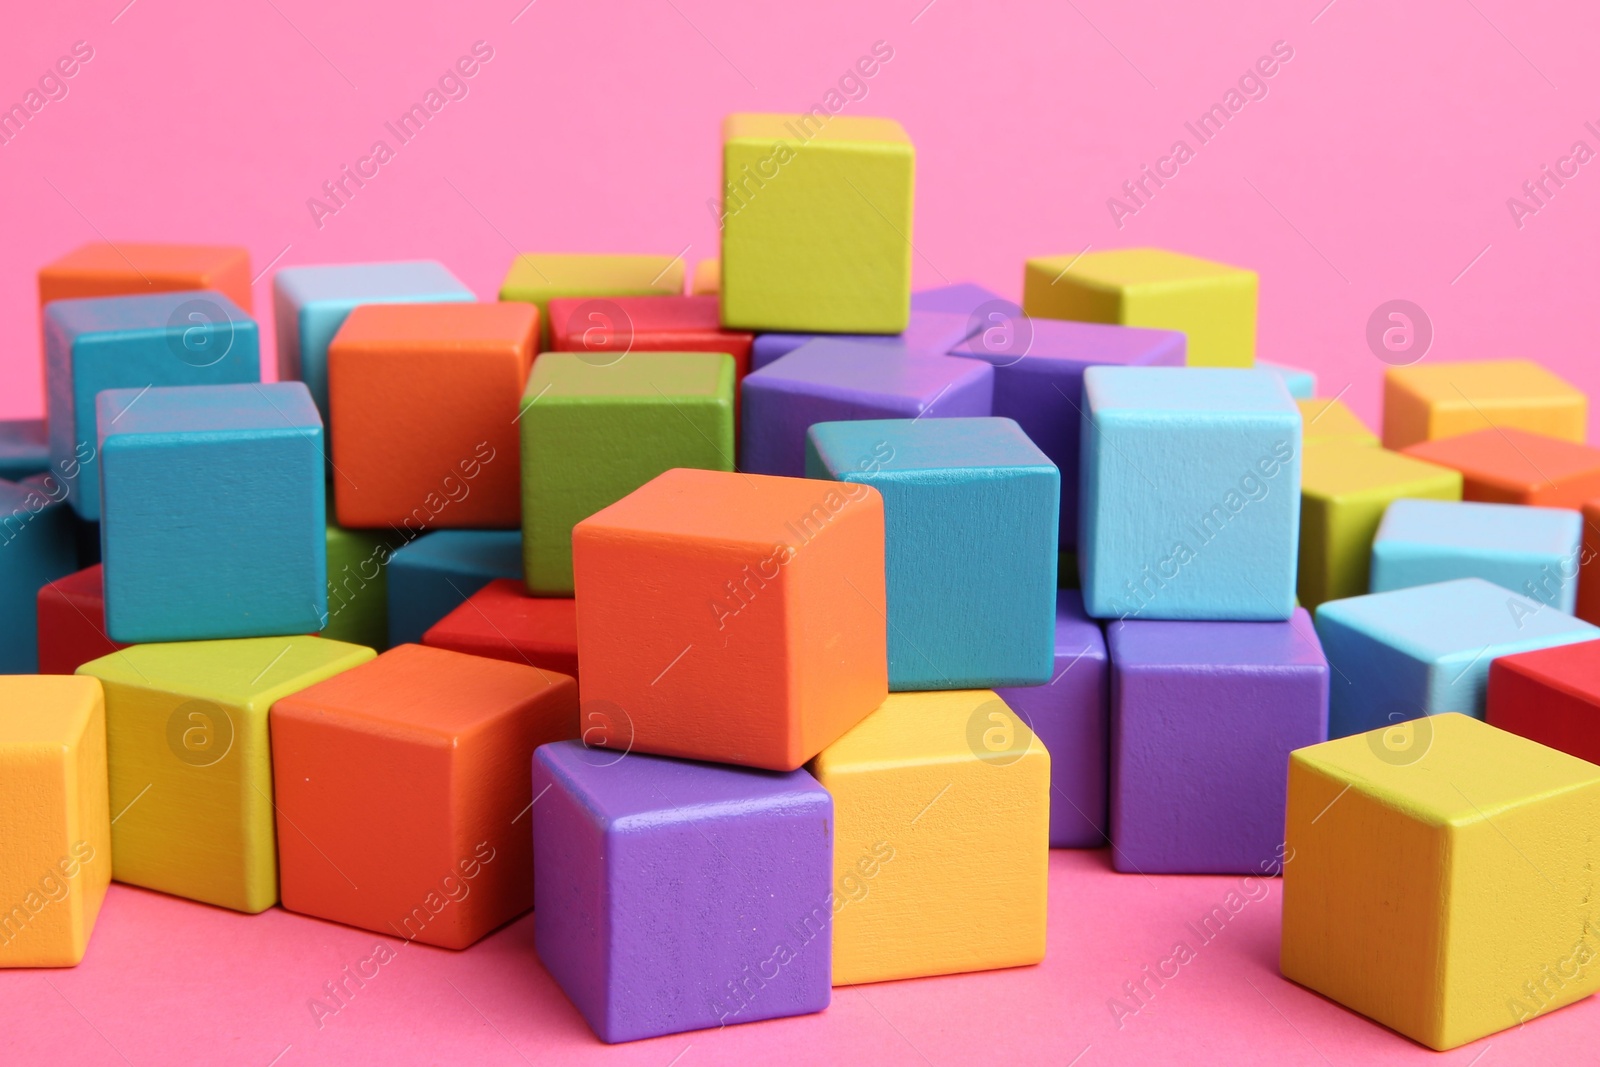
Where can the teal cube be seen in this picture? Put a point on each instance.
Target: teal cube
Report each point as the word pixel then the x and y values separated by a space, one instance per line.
pixel 1301 383
pixel 1189 498
pixel 1532 551
pixel 435 574
pixel 970 544
pixel 132 342
pixel 215 521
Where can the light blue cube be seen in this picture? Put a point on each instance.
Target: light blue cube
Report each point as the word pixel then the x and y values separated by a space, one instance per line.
pixel 214 522
pixel 309 304
pixel 970 522
pixel 197 337
pixel 1189 494
pixel 38 544
pixel 1532 551
pixel 433 575
pixel 1302 384
pixel 1425 650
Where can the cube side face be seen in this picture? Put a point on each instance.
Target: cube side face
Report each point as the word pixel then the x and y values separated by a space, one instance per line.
pixel 936 903
pixel 358 588
pixel 1459 682
pixel 1217 313
pixel 572 911
pixel 433 574
pixel 1365 888
pixel 259 564
pixel 777 413
pixel 1051 291
pixel 1525 698
pixel 586 455
pixel 1401 565
pixel 1338 529
pixel 1374 683
pixel 840 213
pixel 37 537
pixel 1219 538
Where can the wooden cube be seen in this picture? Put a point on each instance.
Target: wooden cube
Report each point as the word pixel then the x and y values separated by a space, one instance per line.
pixel 54 818
pixel 430 576
pixel 759 638
pixel 676 896
pixel 133 342
pixel 1440 879
pixel 816 223
pixel 501 621
pixel 1345 487
pixel 1301 383
pixel 960 298
pixel 1213 303
pixel 24 448
pixel 593 432
pixel 538 278
pixel 1588 607
pixel 941 802
pixel 927 333
pixel 611 328
pixel 1429 401
pixel 37 546
pixel 1550 695
pixel 1329 420
pixel 72 622
pixel 238 469
pixel 358 586
pixel 424 402
pixel 1532 551
pixel 1511 466
pixel 190 760
pixel 707 280
pixel 402 790
pixel 101 268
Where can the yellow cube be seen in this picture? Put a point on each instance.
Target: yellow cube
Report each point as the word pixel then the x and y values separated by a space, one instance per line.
pixel 55 826
pixel 1329 420
pixel 945 799
pixel 1344 489
pixel 1442 877
pixel 1434 400
pixel 190 760
pixel 707 277
pixel 816 223
pixel 537 279
pixel 1213 303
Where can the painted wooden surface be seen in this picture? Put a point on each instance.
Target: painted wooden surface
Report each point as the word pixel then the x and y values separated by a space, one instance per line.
pixel 1505 465
pixel 501 621
pixel 537 278
pixel 429 576
pixel 37 546
pixel 1429 401
pixel 1532 551
pixel 72 622
pixel 100 268
pixel 1329 420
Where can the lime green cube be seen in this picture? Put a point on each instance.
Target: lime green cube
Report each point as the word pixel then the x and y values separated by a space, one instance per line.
pixel 358 586
pixel 816 223
pixel 595 427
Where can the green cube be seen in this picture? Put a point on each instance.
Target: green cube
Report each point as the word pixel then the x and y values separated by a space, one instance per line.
pixel 358 587
pixel 594 431
pixel 816 223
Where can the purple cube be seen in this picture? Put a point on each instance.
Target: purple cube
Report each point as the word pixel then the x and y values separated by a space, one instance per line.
pixel 962 298
pixel 1038 381
pixel 928 333
pixel 674 896
pixel 842 381
pixel 1070 716
pixel 1203 718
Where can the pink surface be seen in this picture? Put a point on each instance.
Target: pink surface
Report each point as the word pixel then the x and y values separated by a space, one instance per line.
pixel 171 982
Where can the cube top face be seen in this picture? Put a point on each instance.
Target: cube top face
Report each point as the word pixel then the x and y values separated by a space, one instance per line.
pixel 656 377
pixel 247 673
pixel 1329 420
pixel 87 584
pixel 762 129
pixel 1467 619
pixel 716 507
pixel 535 277
pixel 1137 268
pixel 503 613
pixel 1507 529
pixel 873 450
pixel 1336 470
pixel 350 284
pixel 208 412
pixel 46 711
pixel 426 693
pixel 119 317
pixel 638 793
pixel 1438 400
pixel 1509 465
pixel 490 553
pixel 1573 668
pixel 1076 633
pixel 454 329
pixel 1138 644
pixel 930 727
pixel 1017 343
pixel 1489 381
pixel 1301 383
pixel 1468 772
pixel 101 269
pixel 639 315
pixel 899 380
pixel 1215 392
pixel 962 298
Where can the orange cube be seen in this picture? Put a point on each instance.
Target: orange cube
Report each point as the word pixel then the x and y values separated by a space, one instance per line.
pixel 402 788
pixel 102 269
pixel 735 618
pixel 1430 401
pixel 1510 466
pixel 423 402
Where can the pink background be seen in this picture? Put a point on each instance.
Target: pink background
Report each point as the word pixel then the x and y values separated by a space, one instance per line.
pixel 1377 167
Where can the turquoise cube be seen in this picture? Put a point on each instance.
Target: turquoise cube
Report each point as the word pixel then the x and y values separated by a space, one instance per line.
pixel 24 448
pixel 309 304
pixel 1533 551
pixel 1426 650
pixel 1189 497
pixel 37 545
pixel 435 574
pixel 1301 383
pixel 133 342
pixel 970 528
pixel 214 508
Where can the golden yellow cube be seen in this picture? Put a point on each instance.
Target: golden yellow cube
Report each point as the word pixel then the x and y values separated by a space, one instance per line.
pixel 1325 420
pixel 945 798
pixel 707 280
pixel 1344 489
pixel 1442 877
pixel 537 279
pixel 190 760
pixel 1213 303
pixel 55 826
pixel 1433 400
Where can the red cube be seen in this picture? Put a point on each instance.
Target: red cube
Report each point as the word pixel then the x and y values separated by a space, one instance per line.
pixel 72 622
pixel 1551 696
pixel 619 325
pixel 501 621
